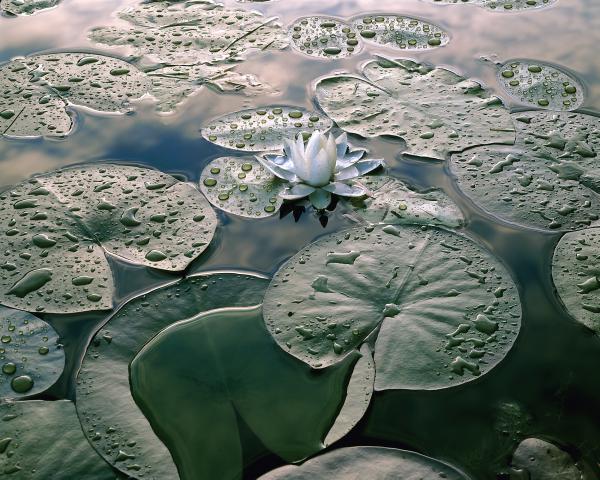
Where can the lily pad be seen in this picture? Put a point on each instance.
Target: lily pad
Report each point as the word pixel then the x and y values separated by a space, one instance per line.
pixel 444 311
pixel 576 274
pixel 434 110
pixel 542 460
pixel 43 440
pixel 241 186
pixel 324 37
pixel 263 129
pixel 503 5
pixel 31 358
pixel 226 360
pixel 541 85
pixel 399 31
pixel 550 180
pixel 26 7
pixel 58 226
pixel 393 202
pixel 374 463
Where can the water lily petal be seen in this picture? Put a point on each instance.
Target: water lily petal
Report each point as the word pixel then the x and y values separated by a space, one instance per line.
pixel 277 170
pixel 320 172
pixel 320 199
pixel 283 161
pixel 347 173
pixel 298 191
pixel 354 156
pixel 301 163
pixel 342 145
pixel 345 190
pixel 315 143
pixel 360 168
pixel 331 150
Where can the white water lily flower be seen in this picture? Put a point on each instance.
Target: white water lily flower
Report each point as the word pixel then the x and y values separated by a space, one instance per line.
pixel 323 167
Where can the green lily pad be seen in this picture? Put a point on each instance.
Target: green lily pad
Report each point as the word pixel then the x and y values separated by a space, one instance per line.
pixel 434 110
pixel 374 463
pixel 541 85
pixel 43 440
pixel 58 226
pixel 550 180
pixel 399 31
pixel 576 274
pixel 226 361
pixel 241 186
pixel 393 202
pixel 444 311
pixel 542 460
pixel 324 37
pixel 503 5
pixel 263 129
pixel 31 359
pixel 26 7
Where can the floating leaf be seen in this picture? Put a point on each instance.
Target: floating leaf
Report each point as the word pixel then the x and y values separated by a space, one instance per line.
pixel 226 361
pixel 541 85
pixel 542 460
pixel 434 110
pixel 57 227
pixel 263 129
pixel 374 463
pixel 401 32
pixel 241 186
pixel 577 276
pixel 324 37
pixel 392 202
pixel 444 310
pixel 31 359
pixel 503 5
pixel 549 180
pixel 26 7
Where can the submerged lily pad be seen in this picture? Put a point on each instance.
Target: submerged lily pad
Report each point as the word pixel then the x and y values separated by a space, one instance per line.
pixel 392 202
pixel 399 31
pixel 26 7
pixel 263 129
pixel 57 227
pixel 542 460
pixel 31 359
pixel 324 37
pixel 43 440
pixel 541 85
pixel 576 274
pixel 226 362
pixel 444 310
pixel 503 5
pixel 434 110
pixel 241 186
pixel 550 179
pixel 374 463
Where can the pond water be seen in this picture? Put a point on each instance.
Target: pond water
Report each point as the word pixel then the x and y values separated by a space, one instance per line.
pixel 547 386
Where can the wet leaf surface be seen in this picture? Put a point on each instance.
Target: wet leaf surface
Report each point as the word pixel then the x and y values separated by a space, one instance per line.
pixel 542 460
pixel 26 7
pixel 502 5
pixel 324 37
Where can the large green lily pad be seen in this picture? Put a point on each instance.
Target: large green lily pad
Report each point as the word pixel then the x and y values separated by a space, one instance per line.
pixel 542 460
pixel 576 274
pixel 324 37
pixel 541 85
pixel 31 358
pixel 43 440
pixel 58 226
pixel 443 309
pixel 263 129
pixel 503 5
pixel 435 111
pixel 241 186
pixel 26 7
pixel 374 463
pixel 550 180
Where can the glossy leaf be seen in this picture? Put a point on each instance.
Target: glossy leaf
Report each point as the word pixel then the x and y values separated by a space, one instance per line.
pixel 542 460
pixel 502 5
pixel 324 37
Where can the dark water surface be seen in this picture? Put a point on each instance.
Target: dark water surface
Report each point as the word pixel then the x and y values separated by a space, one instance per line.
pixel 547 386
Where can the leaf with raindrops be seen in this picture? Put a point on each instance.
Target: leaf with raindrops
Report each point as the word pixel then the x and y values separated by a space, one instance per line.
pixel 374 463
pixel 549 180
pixel 502 5
pixel 42 440
pixel 393 202
pixel 263 129
pixel 226 361
pixel 537 459
pixel 443 310
pixel 324 37
pixel 58 227
pixel 576 274
pixel 25 7
pixel 434 110
pixel 31 357
pixel 541 85
pixel 241 186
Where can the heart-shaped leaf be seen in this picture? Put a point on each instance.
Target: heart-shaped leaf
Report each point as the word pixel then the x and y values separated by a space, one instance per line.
pixel 58 225
pixel 324 37
pixel 444 310
pixel 434 110
pixel 502 5
pixel 26 7
pixel 31 359
pixel 538 459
